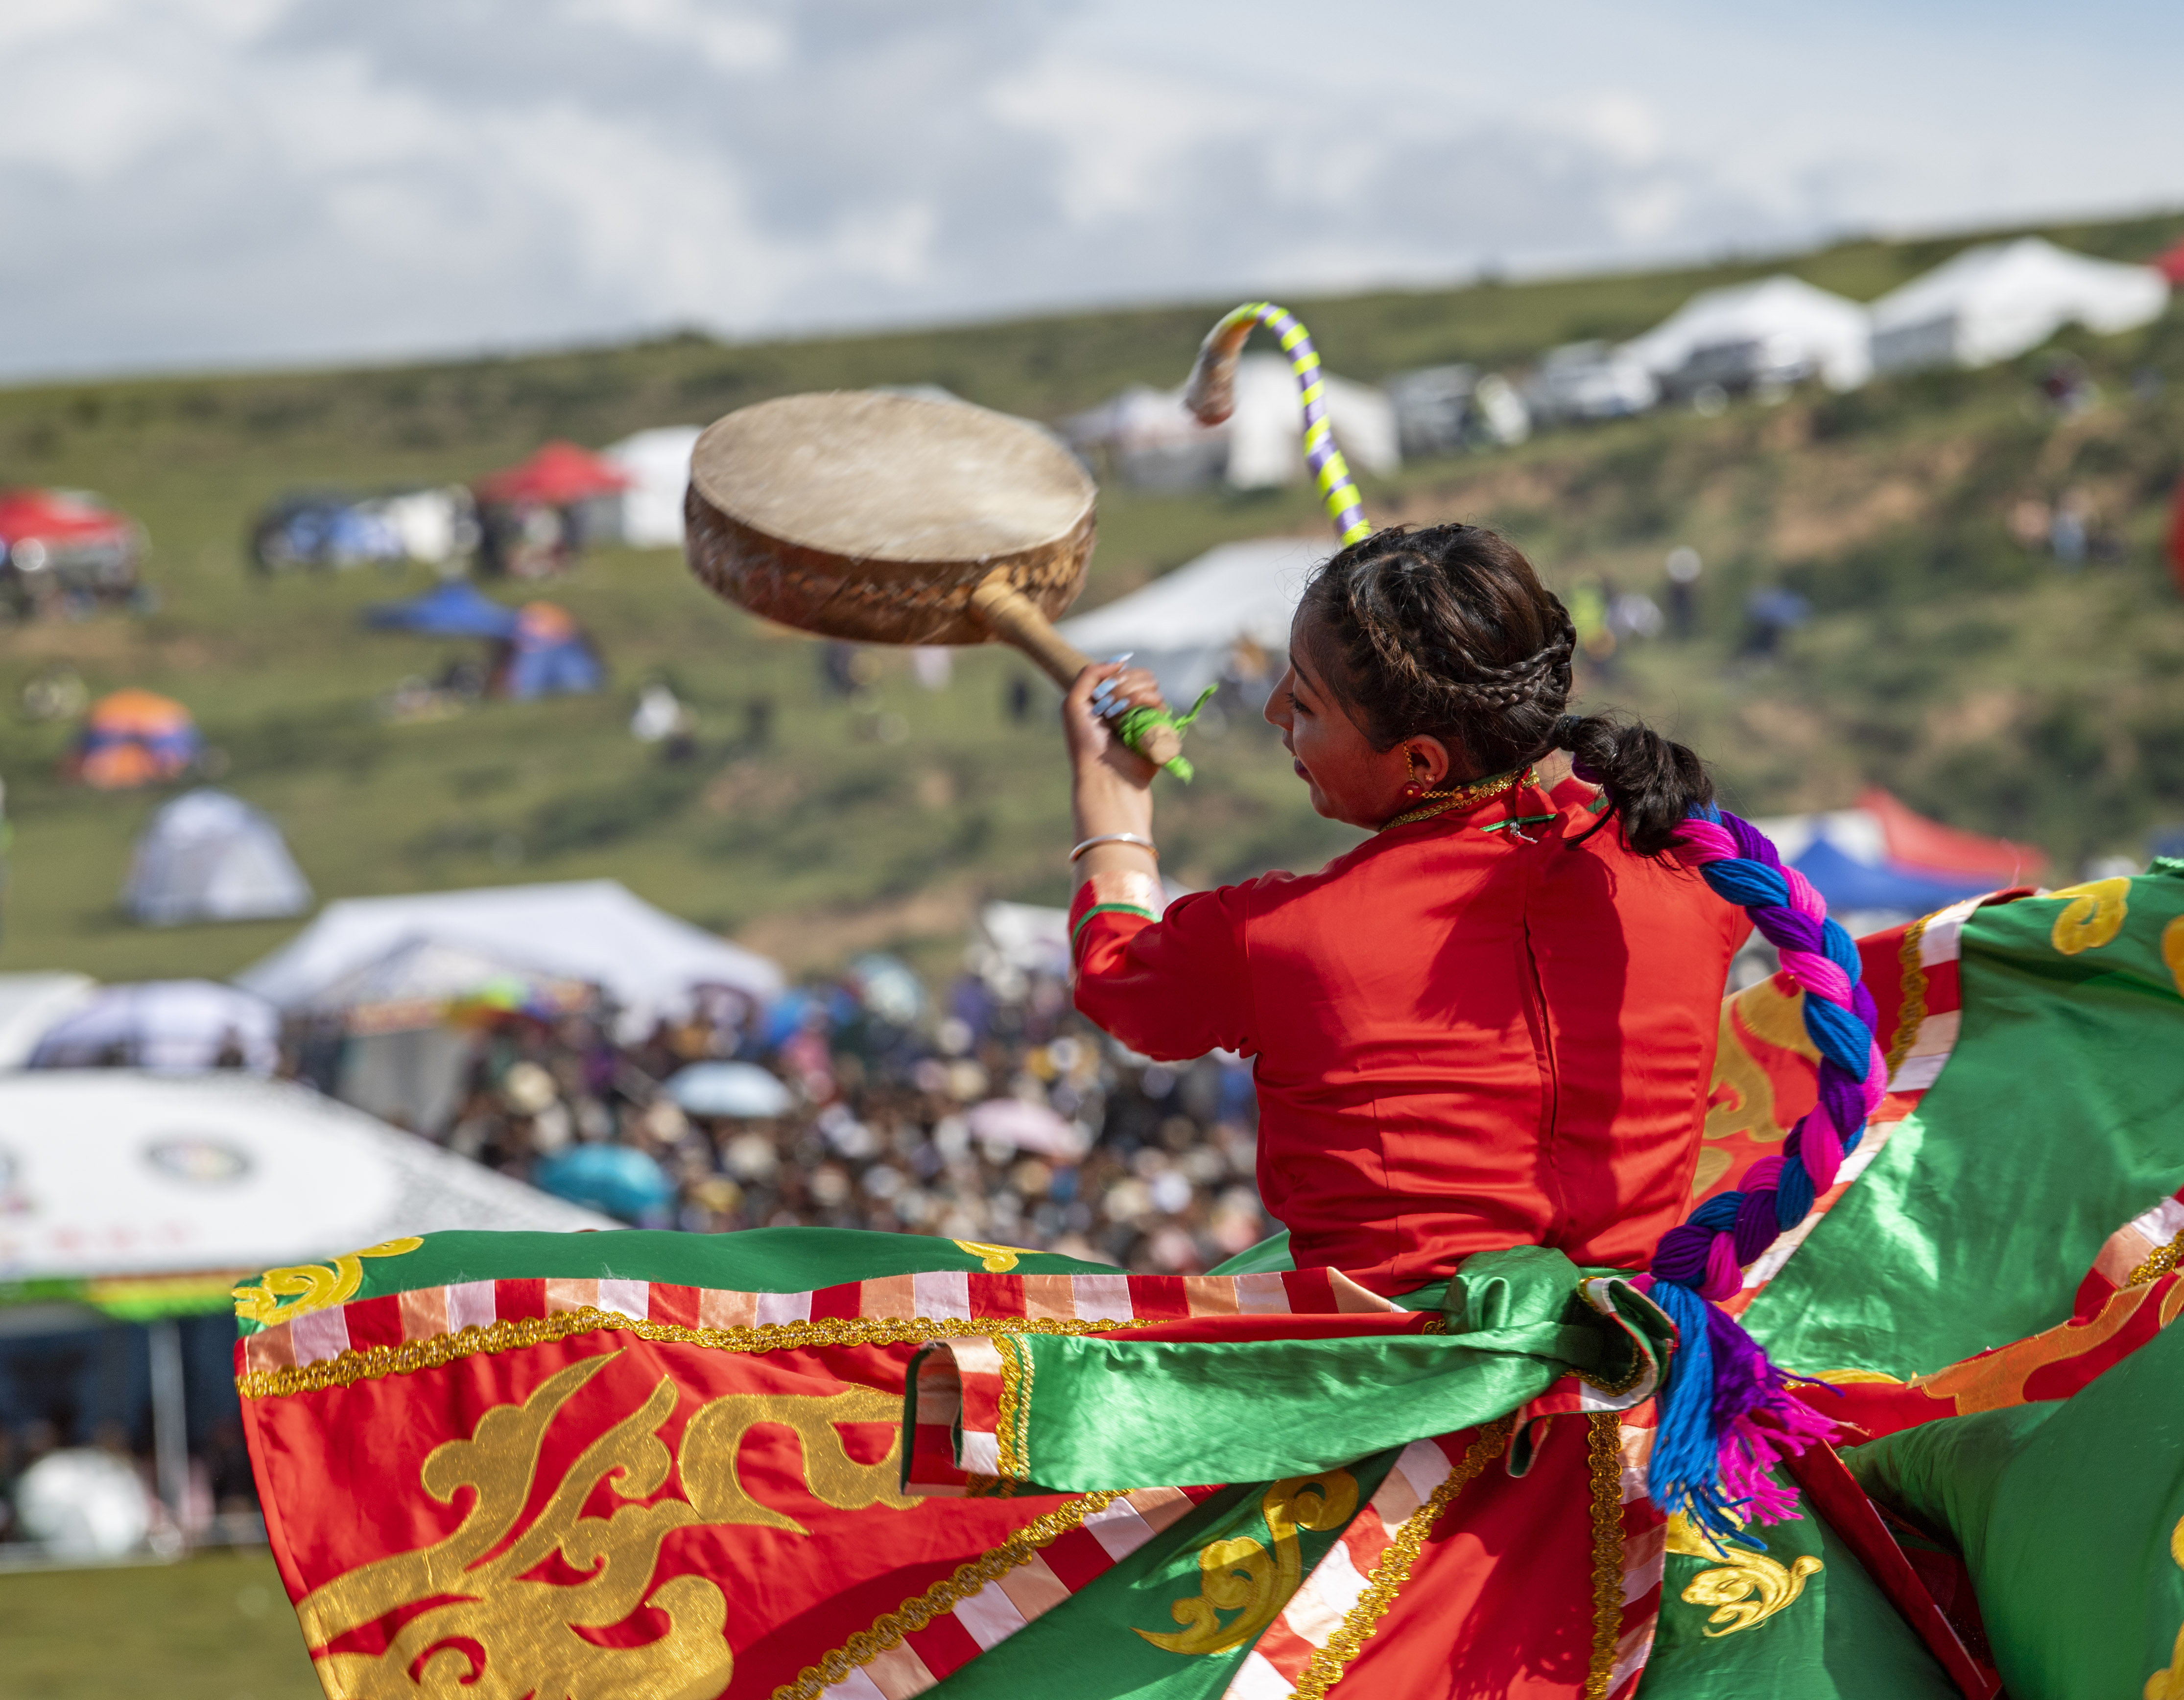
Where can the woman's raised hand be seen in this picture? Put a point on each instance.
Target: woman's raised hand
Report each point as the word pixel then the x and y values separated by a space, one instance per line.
pixel 1093 744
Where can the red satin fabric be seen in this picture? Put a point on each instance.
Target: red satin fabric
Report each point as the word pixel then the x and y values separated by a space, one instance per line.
pixel 1465 1040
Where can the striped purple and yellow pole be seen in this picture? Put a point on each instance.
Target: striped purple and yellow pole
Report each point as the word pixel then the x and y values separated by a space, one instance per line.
pixel 1211 395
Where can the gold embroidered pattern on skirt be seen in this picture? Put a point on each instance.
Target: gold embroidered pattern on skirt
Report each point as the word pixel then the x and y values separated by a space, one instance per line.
pixel 1746 1591
pixel 2093 916
pixel 2158 1262
pixel 478 1618
pixel 310 1287
pixel 1912 1015
pixel 373 1361
pixel 998 1260
pixel 1238 1574
pixel 1603 1445
pixel 1394 1570
pixel 1012 1411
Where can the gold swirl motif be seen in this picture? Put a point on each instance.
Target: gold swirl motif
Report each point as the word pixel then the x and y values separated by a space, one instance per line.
pixel 2168 1684
pixel 1745 1593
pixel 1238 1574
pixel 2093 916
pixel 374 1362
pixel 1394 1570
pixel 2158 1262
pixel 312 1286
pixel 1776 1018
pixel 491 1628
pixel 1603 1449
pixel 2172 951
pixel 998 1260
pixel 912 1615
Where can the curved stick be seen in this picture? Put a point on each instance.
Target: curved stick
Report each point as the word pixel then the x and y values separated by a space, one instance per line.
pixel 1211 395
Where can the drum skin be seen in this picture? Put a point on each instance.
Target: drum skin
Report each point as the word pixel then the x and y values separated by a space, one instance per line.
pixel 871 516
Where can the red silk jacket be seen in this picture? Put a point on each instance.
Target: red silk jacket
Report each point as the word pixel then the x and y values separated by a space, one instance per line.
pixel 1472 1032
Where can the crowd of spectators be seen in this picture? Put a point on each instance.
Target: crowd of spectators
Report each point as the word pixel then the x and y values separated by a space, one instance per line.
pixel 1150 1167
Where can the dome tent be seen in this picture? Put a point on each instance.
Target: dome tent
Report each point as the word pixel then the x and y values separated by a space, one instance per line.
pixel 545 655
pixel 134 738
pixel 209 856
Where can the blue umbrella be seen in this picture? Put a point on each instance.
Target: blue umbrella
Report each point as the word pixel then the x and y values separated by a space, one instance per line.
pixel 729 1088
pixel 619 1180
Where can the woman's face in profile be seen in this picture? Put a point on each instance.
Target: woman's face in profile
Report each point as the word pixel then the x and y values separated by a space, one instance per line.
pixel 1349 780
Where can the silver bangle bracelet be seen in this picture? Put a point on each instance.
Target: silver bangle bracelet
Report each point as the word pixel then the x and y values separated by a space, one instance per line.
pixel 1145 845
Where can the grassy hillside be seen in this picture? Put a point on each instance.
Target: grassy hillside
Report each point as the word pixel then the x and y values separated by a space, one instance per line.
pixel 1978 680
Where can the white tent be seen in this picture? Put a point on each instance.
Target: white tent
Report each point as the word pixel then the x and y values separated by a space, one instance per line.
pixel 1779 326
pixel 112 1174
pixel 595 930
pixel 182 1026
pixel 209 856
pixel 657 463
pixel 1184 626
pixel 1156 443
pixel 30 1004
pixel 1995 301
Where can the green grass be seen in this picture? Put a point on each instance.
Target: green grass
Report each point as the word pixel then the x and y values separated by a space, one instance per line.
pixel 1976 680
pixel 217 1627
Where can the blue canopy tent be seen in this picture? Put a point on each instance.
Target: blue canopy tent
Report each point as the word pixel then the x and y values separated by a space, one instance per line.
pixel 455 610
pixel 1849 884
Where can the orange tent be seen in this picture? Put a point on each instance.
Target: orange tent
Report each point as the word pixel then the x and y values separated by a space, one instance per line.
pixel 133 737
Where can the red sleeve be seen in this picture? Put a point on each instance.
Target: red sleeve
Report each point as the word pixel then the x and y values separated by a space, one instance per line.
pixel 1174 988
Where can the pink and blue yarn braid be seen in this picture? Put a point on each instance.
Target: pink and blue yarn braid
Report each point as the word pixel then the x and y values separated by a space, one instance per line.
pixel 1726 1415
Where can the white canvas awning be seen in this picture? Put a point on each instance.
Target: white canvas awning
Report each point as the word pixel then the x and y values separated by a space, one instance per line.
pixel 1995 301
pixel 657 464
pixel 1783 321
pixel 1184 626
pixel 110 1173
pixel 596 931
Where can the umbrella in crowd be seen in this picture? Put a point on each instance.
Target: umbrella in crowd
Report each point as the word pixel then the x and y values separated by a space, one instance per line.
pixel 742 1091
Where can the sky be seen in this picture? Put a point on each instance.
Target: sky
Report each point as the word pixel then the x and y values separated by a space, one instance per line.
pixel 212 184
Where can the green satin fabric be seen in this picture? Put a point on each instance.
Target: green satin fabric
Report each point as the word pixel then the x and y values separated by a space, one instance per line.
pixel 2070 1516
pixel 1840 1639
pixel 1096 1644
pixel 2054 1123
pixel 1109 1412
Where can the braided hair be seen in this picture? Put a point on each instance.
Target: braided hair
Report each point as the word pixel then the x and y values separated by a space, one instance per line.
pixel 1447 631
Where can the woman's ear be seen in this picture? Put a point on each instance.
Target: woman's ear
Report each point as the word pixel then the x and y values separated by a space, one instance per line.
pixel 1429 760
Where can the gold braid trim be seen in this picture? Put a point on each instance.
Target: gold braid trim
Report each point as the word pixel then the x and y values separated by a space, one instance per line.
pixel 888 1630
pixel 510 1335
pixel 1463 797
pixel 1012 1412
pixel 1604 1454
pixel 1913 1012
pixel 1394 1570
pixel 2158 1262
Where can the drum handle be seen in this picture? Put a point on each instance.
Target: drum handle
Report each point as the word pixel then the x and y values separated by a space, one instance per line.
pixel 1016 619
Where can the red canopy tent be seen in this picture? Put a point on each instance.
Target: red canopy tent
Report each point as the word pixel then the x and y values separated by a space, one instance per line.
pixel 2176 535
pixel 58 520
pixel 557 474
pixel 1915 842
pixel 2171 264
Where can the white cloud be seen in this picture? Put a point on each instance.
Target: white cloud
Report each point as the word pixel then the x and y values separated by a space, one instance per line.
pixel 191 182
